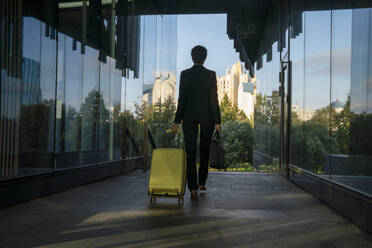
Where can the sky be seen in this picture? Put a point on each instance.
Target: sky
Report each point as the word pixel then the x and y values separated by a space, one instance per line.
pixel 208 31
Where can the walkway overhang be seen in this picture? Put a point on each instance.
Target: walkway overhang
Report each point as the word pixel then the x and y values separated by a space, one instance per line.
pixel 245 19
pixel 254 25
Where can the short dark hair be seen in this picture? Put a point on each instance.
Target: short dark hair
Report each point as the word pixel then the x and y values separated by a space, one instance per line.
pixel 199 54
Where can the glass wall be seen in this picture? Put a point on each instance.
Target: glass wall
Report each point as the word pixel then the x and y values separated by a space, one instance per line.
pixel 154 102
pixel 267 105
pixel 330 50
pixel 78 80
pixel 37 98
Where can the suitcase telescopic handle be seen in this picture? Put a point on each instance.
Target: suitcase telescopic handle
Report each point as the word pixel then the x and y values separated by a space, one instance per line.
pixel 178 134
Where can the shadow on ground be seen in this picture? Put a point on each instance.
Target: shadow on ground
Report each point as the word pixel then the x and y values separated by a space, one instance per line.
pixel 239 210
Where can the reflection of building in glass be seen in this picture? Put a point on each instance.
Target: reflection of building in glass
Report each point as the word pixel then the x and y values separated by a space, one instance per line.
pixel 62 98
pixel 303 114
pixel 147 93
pixel 338 105
pixel 239 86
pixel 324 136
pixel 246 96
pixel 31 92
pixel 160 91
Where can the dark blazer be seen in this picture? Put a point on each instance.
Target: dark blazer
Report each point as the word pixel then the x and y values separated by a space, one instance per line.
pixel 198 96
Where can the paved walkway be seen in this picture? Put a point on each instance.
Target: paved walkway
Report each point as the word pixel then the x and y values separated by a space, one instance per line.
pixel 240 210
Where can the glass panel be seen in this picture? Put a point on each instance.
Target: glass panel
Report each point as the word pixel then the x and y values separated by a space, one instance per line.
pixel 31 98
pixel 267 100
pixel 316 108
pixel 275 104
pixel 38 90
pixel 73 101
pixel 340 87
pixel 90 105
pixel 297 57
pixel 104 111
pixel 60 105
pixel 60 101
pixel 115 98
pixel 350 160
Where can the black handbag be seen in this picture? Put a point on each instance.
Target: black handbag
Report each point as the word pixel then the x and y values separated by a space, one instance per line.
pixel 216 153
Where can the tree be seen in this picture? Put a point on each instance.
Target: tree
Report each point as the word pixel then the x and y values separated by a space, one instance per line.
pixel 36 125
pixel 141 110
pixel 361 134
pixel 157 113
pixel 169 110
pixel 341 128
pixel 73 127
pixel 230 112
pixel 237 142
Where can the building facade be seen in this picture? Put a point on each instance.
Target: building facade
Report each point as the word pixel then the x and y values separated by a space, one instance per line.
pixel 161 91
pixel 239 87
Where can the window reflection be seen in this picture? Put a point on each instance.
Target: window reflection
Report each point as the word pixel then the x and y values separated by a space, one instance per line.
pixel 90 105
pixel 299 114
pixel 73 96
pixel 37 103
pixel 331 94
pixel 70 103
pixel 316 117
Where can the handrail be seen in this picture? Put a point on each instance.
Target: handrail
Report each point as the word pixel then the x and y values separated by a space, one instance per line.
pixel 133 141
pixel 147 137
pixel 151 138
pixel 127 134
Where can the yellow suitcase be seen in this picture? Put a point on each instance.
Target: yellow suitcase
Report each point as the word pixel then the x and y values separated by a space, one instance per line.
pixel 168 174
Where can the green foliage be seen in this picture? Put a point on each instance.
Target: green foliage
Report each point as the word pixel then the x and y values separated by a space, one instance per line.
pixel 361 134
pixel 341 127
pixel 160 117
pixel 266 118
pixel 237 141
pixel 34 125
pixel 73 124
pixel 230 112
pixel 267 110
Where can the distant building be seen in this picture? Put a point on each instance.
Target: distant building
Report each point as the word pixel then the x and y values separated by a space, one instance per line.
pixel 31 91
pixel 160 90
pixel 338 105
pixel 229 83
pixel 303 114
pixel 147 94
pixel 246 95
pixel 239 87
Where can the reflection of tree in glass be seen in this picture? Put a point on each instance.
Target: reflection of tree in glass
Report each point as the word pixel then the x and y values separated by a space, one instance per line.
pixel 159 116
pixel 266 127
pixel 75 125
pixel 34 125
pixel 341 127
pixel 361 134
pixel 73 130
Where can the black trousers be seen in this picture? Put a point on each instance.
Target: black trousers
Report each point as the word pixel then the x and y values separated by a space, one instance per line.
pixel 190 132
